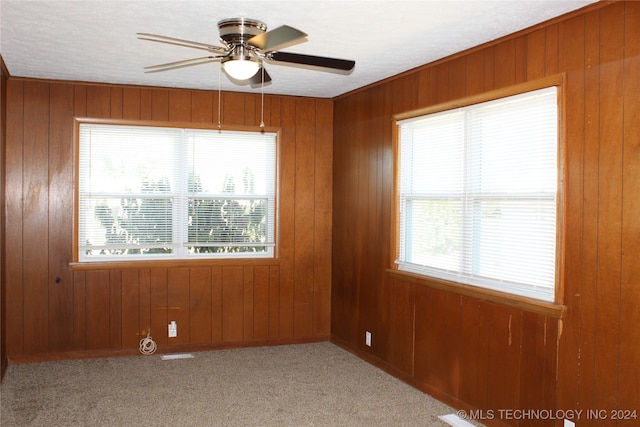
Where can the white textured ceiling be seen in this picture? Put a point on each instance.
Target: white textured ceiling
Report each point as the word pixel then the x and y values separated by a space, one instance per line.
pixel 95 40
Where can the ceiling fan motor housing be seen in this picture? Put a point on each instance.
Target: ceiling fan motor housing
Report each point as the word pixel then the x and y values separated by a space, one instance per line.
pixel 236 31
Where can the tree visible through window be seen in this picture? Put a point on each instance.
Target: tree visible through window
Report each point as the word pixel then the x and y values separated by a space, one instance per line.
pixel 157 192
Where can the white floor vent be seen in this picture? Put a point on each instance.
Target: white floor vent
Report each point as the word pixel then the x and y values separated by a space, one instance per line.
pixel 454 420
pixel 177 356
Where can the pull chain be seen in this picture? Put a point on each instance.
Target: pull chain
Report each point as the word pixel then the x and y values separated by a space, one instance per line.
pixel 219 96
pixel 262 106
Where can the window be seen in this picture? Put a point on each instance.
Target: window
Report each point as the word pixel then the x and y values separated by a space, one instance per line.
pixel 477 194
pixel 152 192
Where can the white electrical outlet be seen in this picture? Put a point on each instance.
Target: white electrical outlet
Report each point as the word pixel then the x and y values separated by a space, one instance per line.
pixel 173 329
pixel 367 338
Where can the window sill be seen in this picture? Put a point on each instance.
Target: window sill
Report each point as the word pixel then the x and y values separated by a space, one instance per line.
pixel 544 308
pixel 122 265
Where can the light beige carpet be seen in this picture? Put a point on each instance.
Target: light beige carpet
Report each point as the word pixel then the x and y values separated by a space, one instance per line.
pixel 316 384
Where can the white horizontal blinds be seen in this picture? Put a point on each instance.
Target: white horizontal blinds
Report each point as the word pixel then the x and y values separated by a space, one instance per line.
pixel 432 153
pixel 127 189
pixel 231 192
pixel 499 231
pixel 157 192
pixel 512 195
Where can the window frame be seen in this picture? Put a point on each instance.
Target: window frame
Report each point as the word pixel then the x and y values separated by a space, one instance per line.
pixel 555 307
pixel 234 258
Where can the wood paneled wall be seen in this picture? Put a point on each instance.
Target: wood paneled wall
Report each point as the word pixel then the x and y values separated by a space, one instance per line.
pixel 54 311
pixel 3 125
pixel 478 354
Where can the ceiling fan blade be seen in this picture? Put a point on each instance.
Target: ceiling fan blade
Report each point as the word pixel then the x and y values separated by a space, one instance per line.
pixel 181 42
pixel 277 38
pixel 180 64
pixel 256 80
pixel 316 61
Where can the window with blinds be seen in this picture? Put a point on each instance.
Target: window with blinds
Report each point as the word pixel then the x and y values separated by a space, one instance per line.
pixel 477 194
pixel 149 192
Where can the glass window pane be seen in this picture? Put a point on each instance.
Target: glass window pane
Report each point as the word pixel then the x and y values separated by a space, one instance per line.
pixel 478 194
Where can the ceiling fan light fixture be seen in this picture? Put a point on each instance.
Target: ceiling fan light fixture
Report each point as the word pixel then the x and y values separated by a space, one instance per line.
pixel 241 68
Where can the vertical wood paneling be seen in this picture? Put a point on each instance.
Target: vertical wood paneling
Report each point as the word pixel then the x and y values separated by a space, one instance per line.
pixel 402 318
pixel 304 225
pixel 457 73
pixel 216 304
pixel 34 217
pixel 474 81
pixel 232 109
pixel 98 101
pixel 274 302
pixel 287 219
pixel 158 297
pixel 144 292
pixel 610 206
pixel 115 309
pixel 630 291
pixel 79 311
pixel 533 356
pixel 260 302
pixel 97 310
pixel 572 58
pixel 473 338
pixel 13 266
pixel 178 303
pixel 116 103
pixel 145 104
pixel 130 309
pixel 436 354
pixel 160 104
pixel 232 304
pixel 442 82
pixel 131 103
pixel 200 307
pixel 339 264
pixel 551 50
pixel 384 197
pixel 503 346
pixel 247 303
pixel 202 107
pixel 366 241
pixel 179 106
pixel 521 59
pixel 60 237
pixel 347 205
pixel 505 57
pixel 323 159
pixel 251 112
pixel 536 44
pixel 3 287
pixel 585 352
pixel 489 68
pixel 425 93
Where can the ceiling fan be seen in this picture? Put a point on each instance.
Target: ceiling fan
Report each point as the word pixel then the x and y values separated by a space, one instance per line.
pixel 247 46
